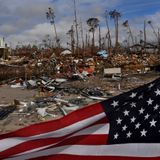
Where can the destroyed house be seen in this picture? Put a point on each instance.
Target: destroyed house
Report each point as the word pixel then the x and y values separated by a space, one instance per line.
pixel 148 47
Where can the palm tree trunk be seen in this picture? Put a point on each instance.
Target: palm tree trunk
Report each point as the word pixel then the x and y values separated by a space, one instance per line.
pixel 145 37
pixel 109 34
pixel 158 40
pixel 100 44
pixel 86 43
pixel 154 31
pixel 82 36
pixel 57 41
pixel 76 26
pixel 131 34
pixel 116 28
pixel 93 42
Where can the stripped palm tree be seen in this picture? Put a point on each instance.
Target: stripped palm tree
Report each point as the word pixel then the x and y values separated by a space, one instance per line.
pixel 115 15
pixel 93 24
pixel 51 16
pixel 126 24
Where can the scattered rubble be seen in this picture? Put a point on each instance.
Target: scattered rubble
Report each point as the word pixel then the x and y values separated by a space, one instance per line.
pixel 63 84
pixel 66 97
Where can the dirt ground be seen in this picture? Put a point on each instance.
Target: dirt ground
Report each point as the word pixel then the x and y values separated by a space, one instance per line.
pixel 8 94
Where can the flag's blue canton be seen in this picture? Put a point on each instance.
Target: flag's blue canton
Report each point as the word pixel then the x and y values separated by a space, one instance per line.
pixel 134 116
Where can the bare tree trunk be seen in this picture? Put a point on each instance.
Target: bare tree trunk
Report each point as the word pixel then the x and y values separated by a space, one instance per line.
pixel 72 40
pixel 100 43
pixel 145 37
pixel 57 40
pixel 82 36
pixel 86 43
pixel 76 26
pixel 108 33
pixel 131 34
pixel 158 40
pixel 153 30
pixel 93 42
pixel 89 39
pixel 116 30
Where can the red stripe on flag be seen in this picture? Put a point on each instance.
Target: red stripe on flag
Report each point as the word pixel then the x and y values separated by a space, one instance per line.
pixel 78 140
pixel 73 157
pixel 49 126
pixel 33 144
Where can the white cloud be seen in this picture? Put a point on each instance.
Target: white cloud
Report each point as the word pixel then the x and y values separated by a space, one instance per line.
pixel 8 29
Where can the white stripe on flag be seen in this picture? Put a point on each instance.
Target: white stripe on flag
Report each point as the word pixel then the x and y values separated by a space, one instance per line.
pixel 99 129
pixel 11 142
pixel 126 150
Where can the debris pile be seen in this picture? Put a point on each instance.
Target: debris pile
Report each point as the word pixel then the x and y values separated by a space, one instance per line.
pixel 132 62
pixel 62 84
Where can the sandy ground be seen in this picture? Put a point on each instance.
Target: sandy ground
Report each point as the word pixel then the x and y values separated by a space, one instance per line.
pixel 8 94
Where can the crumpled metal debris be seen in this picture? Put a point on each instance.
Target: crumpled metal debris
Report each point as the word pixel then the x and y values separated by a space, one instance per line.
pixel 5 111
pixel 92 92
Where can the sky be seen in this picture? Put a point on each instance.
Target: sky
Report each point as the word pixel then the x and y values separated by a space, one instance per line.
pixel 24 21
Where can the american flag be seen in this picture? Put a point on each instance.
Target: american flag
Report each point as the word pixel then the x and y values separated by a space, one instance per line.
pixel 125 127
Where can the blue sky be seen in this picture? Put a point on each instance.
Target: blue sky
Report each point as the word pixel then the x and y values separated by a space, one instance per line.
pixel 134 8
pixel 24 20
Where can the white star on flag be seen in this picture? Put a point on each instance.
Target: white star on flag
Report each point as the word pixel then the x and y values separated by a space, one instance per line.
pixel 119 121
pixel 133 104
pixel 151 85
pixel 157 92
pixel 124 128
pixel 133 95
pixel 150 101
pixel 129 134
pixel 153 123
pixel 147 116
pixel 137 125
pixel 143 133
pixel 141 111
pixel 126 113
pixel 156 107
pixel 116 136
pixel 114 104
pixel 133 120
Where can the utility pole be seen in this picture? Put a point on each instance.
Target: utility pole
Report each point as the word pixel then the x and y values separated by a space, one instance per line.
pixel 76 26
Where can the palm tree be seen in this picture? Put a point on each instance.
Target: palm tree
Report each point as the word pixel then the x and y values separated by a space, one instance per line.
pixel 126 24
pixel 115 15
pixel 51 16
pixel 93 24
